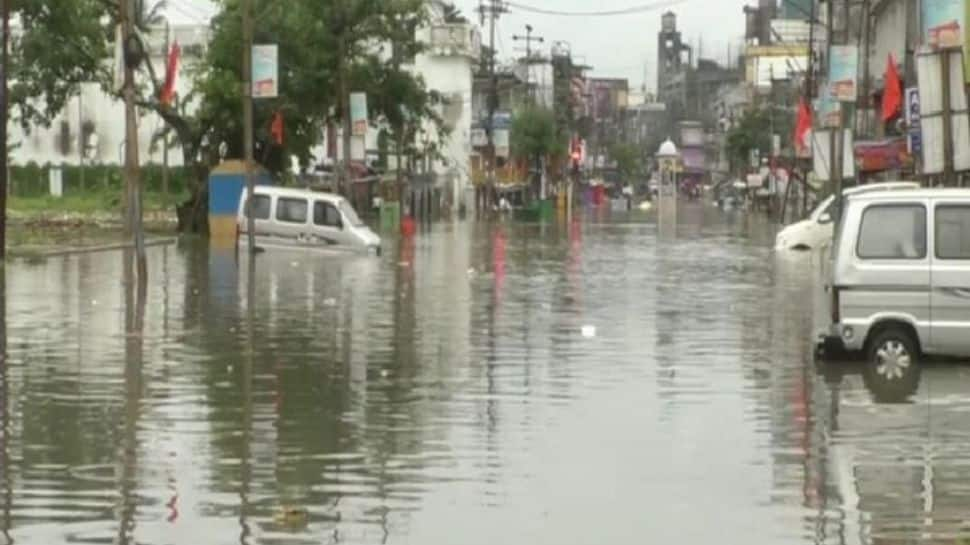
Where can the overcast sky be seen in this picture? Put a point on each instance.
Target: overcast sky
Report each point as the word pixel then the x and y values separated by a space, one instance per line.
pixel 622 46
pixel 619 46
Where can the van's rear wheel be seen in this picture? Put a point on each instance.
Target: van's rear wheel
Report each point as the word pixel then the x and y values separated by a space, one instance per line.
pixel 892 370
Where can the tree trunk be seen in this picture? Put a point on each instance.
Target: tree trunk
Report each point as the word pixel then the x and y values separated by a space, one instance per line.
pixel 193 214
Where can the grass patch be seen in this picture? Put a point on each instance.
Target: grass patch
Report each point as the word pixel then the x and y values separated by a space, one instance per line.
pixel 88 203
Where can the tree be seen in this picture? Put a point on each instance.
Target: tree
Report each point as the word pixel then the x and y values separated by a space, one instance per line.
pixel 534 134
pixel 327 47
pixel 627 159
pixel 451 14
pixel 753 132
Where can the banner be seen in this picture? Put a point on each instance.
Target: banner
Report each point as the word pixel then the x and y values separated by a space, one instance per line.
pixel 358 114
pixel 943 23
pixel 828 112
pixel 265 71
pixel 843 72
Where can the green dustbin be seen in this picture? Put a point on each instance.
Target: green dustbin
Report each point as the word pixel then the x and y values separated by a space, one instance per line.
pixel 390 216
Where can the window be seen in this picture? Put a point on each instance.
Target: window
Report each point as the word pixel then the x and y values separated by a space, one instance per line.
pixel 326 215
pixel 350 214
pixel 953 232
pixel 893 231
pixel 261 207
pixel 291 210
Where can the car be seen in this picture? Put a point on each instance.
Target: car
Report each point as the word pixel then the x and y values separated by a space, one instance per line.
pixel 900 283
pixel 815 231
pixel 304 219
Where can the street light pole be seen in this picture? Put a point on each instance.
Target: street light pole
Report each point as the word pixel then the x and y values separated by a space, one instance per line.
pixel 4 105
pixel 247 23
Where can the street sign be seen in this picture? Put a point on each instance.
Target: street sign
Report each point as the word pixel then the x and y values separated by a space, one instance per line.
pixel 358 114
pixel 914 140
pixel 265 71
pixel 843 72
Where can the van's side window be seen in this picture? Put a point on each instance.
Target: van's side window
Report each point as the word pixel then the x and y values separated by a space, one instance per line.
pixel 893 231
pixel 326 214
pixel 261 207
pixel 291 210
pixel 953 232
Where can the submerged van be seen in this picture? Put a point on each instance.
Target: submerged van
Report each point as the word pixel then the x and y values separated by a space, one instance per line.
pixel 304 219
pixel 900 285
pixel 815 231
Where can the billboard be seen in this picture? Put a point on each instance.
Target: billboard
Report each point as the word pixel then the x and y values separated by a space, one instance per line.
pixel 843 72
pixel 358 114
pixel 943 23
pixel 265 71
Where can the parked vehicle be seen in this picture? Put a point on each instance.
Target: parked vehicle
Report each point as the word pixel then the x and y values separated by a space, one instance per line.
pixel 304 219
pixel 816 230
pixel 900 284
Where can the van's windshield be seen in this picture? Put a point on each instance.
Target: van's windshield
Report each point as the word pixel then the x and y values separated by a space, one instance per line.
pixel 350 215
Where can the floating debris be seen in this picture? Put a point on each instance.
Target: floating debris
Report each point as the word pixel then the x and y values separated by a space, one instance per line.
pixel 589 331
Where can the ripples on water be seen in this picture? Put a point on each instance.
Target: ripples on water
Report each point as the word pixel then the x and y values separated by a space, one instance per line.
pixel 445 394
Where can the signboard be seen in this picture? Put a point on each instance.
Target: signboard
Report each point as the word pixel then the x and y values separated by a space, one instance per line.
pixel 929 68
pixel 265 71
pixel 828 111
pixel 479 138
pixel 501 141
pixel 843 72
pixel 914 139
pixel 880 155
pixel 821 147
pixel 358 114
pixel 943 23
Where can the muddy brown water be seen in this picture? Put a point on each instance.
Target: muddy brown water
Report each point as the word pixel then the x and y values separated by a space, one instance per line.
pixel 599 383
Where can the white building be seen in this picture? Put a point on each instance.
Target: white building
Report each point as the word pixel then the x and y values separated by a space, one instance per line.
pixel 99 119
pixel 447 67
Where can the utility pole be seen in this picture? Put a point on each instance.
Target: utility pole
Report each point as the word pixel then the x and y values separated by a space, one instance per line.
pixel 493 8
pixel 168 45
pixel 132 56
pixel 247 24
pixel 528 39
pixel 4 105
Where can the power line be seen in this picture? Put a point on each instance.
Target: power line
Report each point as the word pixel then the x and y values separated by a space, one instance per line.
pixel 607 13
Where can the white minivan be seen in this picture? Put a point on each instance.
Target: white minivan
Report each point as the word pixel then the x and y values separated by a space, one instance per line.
pixel 900 283
pixel 304 219
pixel 815 231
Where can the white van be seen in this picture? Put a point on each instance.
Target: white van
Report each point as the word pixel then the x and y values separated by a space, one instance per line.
pixel 900 285
pixel 816 231
pixel 303 219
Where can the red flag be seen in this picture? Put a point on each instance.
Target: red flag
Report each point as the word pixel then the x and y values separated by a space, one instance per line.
pixel 171 75
pixel 803 124
pixel 892 96
pixel 276 128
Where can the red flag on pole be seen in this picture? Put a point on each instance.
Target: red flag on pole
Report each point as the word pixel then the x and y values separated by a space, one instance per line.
pixel 803 124
pixel 276 128
pixel 171 75
pixel 892 96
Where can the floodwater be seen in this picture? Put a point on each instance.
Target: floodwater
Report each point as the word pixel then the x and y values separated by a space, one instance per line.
pixel 597 383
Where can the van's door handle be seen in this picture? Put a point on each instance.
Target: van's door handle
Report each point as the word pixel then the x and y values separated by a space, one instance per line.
pixel 959 292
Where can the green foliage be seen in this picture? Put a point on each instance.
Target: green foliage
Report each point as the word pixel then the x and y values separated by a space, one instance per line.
pixel 753 132
pixel 328 48
pixel 534 134
pixel 627 158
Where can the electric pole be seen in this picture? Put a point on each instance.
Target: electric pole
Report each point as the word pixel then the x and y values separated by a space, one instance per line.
pixel 133 55
pixel 528 39
pixel 4 105
pixel 493 8
pixel 247 23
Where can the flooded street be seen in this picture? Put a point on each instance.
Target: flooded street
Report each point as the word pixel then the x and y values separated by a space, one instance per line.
pixel 484 383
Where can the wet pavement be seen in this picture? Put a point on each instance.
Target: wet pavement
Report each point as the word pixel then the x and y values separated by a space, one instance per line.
pixel 598 383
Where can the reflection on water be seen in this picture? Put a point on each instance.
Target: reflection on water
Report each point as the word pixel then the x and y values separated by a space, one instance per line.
pixel 445 394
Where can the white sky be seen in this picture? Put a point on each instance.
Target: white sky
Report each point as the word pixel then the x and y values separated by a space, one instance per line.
pixel 619 46
pixel 622 46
